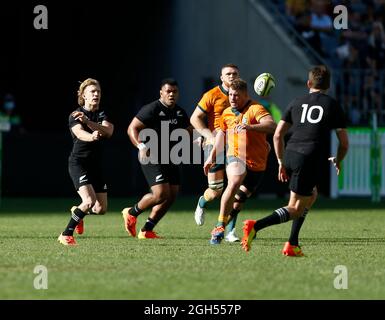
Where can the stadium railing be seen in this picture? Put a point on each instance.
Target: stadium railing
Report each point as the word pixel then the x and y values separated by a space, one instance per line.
pixel 357 173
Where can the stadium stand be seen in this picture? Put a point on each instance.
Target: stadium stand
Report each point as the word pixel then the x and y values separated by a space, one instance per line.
pixel 356 55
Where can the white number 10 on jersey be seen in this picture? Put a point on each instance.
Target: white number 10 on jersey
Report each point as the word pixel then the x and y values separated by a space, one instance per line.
pixel 307 114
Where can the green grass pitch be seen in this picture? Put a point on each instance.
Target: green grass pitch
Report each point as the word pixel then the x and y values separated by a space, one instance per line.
pixel 107 264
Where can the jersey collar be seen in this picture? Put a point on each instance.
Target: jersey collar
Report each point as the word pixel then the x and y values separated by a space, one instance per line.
pixel 223 90
pixel 166 107
pixel 237 112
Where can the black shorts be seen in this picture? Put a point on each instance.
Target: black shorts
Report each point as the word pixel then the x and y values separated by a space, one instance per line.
pixel 253 180
pixel 85 172
pixel 304 171
pixel 219 161
pixel 161 173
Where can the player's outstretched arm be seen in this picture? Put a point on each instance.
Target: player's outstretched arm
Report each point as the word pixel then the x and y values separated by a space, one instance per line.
pixel 343 147
pixel 198 121
pixel 279 145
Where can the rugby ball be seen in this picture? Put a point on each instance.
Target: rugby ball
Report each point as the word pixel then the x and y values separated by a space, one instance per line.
pixel 263 84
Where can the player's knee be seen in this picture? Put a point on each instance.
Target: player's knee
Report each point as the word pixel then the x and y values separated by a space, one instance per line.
pixel 240 197
pixel 233 185
pixel 88 204
pixel 160 197
pixel 216 194
pixel 216 187
pixel 295 211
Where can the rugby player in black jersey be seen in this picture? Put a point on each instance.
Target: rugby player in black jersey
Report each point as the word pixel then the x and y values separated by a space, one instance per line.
pixel 160 117
pixel 89 126
pixel 311 118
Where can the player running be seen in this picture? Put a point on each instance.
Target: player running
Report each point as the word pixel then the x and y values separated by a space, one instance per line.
pixel 89 127
pixel 244 125
pixel 163 177
pixel 312 117
pixel 205 119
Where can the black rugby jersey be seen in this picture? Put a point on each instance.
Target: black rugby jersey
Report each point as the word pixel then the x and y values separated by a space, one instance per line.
pixel 155 113
pixel 312 116
pixel 84 149
pixel 163 121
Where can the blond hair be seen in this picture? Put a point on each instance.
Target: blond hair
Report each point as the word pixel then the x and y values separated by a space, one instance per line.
pixel 83 86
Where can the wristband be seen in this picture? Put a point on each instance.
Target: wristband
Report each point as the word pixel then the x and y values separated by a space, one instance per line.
pixel 141 146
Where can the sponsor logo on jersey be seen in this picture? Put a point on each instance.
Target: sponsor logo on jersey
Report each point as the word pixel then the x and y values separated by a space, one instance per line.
pixel 83 179
pixel 159 178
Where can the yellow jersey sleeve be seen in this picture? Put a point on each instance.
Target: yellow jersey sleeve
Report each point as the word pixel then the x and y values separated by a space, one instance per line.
pixel 213 102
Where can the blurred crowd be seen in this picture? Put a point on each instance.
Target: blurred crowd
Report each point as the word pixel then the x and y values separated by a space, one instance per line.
pixel 356 54
pixel 10 120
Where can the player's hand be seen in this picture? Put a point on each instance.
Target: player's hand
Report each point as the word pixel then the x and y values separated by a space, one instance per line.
pixel 333 160
pixel 208 142
pixel 199 142
pixel 144 156
pixel 282 175
pixel 96 135
pixel 208 165
pixel 241 127
pixel 79 115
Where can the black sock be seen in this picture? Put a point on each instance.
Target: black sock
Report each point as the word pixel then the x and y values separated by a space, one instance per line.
pixel 280 215
pixel 76 216
pixel 135 211
pixel 149 225
pixel 296 227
